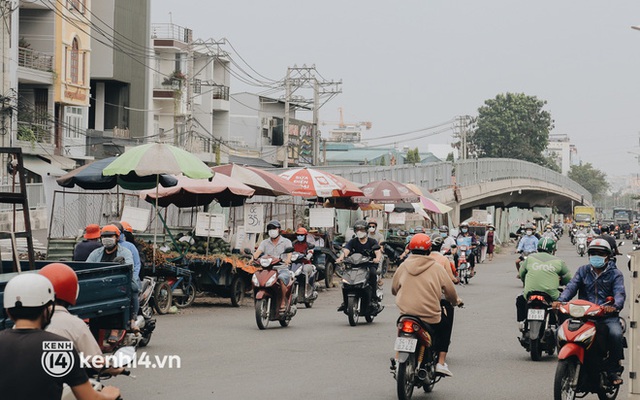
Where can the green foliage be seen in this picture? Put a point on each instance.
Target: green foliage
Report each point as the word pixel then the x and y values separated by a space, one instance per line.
pixel 382 162
pixel 594 180
pixel 513 125
pixel 550 163
pixel 413 156
pixel 450 157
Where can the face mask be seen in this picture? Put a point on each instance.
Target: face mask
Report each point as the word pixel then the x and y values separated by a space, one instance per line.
pixel 109 242
pixel 361 234
pixel 300 238
pixel 443 234
pixel 273 233
pixel 491 229
pixel 372 229
pixel 464 230
pixel 529 233
pixel 597 261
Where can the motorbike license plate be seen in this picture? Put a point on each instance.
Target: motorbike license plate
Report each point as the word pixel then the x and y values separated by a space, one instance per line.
pixel 535 314
pixel 405 344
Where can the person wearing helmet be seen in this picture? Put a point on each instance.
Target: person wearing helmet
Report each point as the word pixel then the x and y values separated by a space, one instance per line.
pixel 363 244
pixel 449 241
pixel 67 325
pixel 549 233
pixel 418 285
pixel 528 244
pixel 28 301
pixel 436 246
pixel 372 230
pixel 274 247
pixel 301 245
pixel 90 242
pixel 611 240
pixel 137 267
pixel 471 252
pixel 595 282
pixel 541 272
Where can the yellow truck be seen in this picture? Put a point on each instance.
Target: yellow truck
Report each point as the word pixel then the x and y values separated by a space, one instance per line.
pixel 583 215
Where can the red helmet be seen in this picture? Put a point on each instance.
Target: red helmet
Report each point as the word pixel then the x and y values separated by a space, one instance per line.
pixel 64 281
pixel 420 241
pixel 109 230
pixel 126 226
pixel 301 231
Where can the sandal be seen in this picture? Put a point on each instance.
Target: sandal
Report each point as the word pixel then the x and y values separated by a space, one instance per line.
pixel 615 379
pixel 112 339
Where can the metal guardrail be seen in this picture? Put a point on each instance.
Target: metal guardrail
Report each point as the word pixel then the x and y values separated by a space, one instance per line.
pixel 472 172
pixel 220 92
pixel 170 31
pixel 35 59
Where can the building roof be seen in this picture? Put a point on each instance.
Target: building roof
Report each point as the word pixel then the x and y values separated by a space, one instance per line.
pixel 250 161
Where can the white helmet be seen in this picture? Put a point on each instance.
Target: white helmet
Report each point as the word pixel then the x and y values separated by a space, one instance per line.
pixel 28 290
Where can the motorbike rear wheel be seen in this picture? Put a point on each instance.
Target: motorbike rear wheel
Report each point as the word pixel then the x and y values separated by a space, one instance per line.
pixel 145 340
pixel 237 291
pixel 536 350
pixel 608 395
pixel 162 298
pixel 308 304
pixel 353 310
pixel 405 377
pixel 262 313
pixel 565 374
pixel 369 318
pixel 188 295
pixel 284 322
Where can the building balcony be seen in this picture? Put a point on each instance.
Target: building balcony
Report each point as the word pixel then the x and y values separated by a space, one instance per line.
pixel 220 98
pixel 170 36
pixel 35 67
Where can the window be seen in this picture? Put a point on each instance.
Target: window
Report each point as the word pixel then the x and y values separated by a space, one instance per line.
pixel 73 118
pixel 75 59
pixel 76 5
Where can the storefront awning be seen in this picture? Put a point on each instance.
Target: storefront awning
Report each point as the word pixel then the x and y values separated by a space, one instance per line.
pixel 40 167
pixel 61 162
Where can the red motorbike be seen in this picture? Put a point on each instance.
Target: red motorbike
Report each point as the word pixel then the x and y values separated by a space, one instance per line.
pixel 582 354
pixel 267 293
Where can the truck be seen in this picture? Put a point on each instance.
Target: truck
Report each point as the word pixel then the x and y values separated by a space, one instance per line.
pixel 584 215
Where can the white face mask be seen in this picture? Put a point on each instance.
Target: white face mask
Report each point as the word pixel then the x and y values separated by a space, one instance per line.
pixel 372 229
pixel 109 242
pixel 273 233
pixel 529 233
pixel 361 234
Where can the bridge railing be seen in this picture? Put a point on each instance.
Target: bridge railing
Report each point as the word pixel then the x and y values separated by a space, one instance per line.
pixel 471 172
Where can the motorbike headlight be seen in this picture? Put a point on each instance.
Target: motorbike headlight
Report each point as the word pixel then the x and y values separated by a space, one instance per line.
pixel 254 280
pixel 265 262
pixel 345 281
pixel 577 311
pixel 271 280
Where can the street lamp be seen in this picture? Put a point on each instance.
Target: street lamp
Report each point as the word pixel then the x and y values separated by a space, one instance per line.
pixel 636 27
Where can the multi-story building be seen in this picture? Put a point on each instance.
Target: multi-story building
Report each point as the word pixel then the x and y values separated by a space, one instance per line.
pixel 121 61
pixel 190 92
pixel 562 152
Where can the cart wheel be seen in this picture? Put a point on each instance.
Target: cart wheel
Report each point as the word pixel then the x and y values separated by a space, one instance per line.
pixel 237 291
pixel 162 297
pixel 328 274
pixel 188 295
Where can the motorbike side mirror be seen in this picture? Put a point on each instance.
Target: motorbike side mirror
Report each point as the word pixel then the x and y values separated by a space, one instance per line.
pixel 620 244
pixel 248 251
pixel 288 250
pixel 513 235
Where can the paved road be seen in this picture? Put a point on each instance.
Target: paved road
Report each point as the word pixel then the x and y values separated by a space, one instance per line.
pixel 319 356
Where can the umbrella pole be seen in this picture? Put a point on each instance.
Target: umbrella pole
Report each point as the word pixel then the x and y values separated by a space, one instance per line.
pixel 155 228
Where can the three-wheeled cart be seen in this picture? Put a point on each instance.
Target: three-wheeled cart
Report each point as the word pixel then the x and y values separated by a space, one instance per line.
pixel 225 276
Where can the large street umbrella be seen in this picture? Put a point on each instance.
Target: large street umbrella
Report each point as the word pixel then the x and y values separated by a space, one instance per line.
pixel 90 177
pixel 156 159
pixel 350 188
pixel 313 183
pixel 386 192
pixel 265 183
pixel 429 203
pixel 198 192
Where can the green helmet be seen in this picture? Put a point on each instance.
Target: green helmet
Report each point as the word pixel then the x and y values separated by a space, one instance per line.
pixel 547 245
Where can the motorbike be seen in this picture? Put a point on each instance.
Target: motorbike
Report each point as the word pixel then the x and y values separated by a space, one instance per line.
pixel 463 267
pixel 144 321
pixel 539 332
pixel 572 234
pixel 393 251
pixel 416 359
pixel 267 293
pixel 124 354
pixel 303 291
pixel 582 354
pixel 358 294
pixel 581 244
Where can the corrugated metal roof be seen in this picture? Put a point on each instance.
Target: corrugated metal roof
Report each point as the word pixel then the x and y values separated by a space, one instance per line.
pixel 250 161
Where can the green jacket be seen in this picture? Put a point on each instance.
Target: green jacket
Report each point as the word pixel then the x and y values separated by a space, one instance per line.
pixel 543 272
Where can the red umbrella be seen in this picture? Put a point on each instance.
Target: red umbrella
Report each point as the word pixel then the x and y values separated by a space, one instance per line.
pixel 313 183
pixel 198 192
pixel 265 183
pixel 350 188
pixel 386 192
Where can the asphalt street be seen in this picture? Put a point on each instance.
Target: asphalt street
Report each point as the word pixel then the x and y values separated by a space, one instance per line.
pixel 223 355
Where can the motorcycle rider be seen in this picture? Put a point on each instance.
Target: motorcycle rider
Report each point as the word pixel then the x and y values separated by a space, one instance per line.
pixel 549 233
pixel 88 244
pixel 28 301
pixel 372 231
pixel 541 272
pixel 65 324
pixel 274 247
pixel 449 241
pixel 363 244
pixel 471 257
pixel 446 262
pixel 612 242
pixel 595 282
pixel 528 244
pixel 418 285
pixel 300 245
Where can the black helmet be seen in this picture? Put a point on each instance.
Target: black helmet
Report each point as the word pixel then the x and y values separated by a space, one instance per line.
pixel 360 225
pixel 275 224
pixel 604 229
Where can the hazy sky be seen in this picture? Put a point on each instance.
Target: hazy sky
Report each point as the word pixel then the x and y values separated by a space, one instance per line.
pixel 412 64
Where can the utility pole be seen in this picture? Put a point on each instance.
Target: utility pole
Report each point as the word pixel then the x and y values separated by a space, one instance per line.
pixel 189 104
pixel 462 123
pixel 285 133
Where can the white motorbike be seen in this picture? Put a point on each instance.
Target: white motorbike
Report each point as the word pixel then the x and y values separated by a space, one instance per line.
pixel 581 244
pixel 304 291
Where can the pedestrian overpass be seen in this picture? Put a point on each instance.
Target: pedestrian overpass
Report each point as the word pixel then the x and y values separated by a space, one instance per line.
pixel 479 183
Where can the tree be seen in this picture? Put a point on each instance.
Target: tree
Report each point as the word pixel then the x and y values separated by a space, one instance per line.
pixel 594 180
pixel 413 156
pixel 513 125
